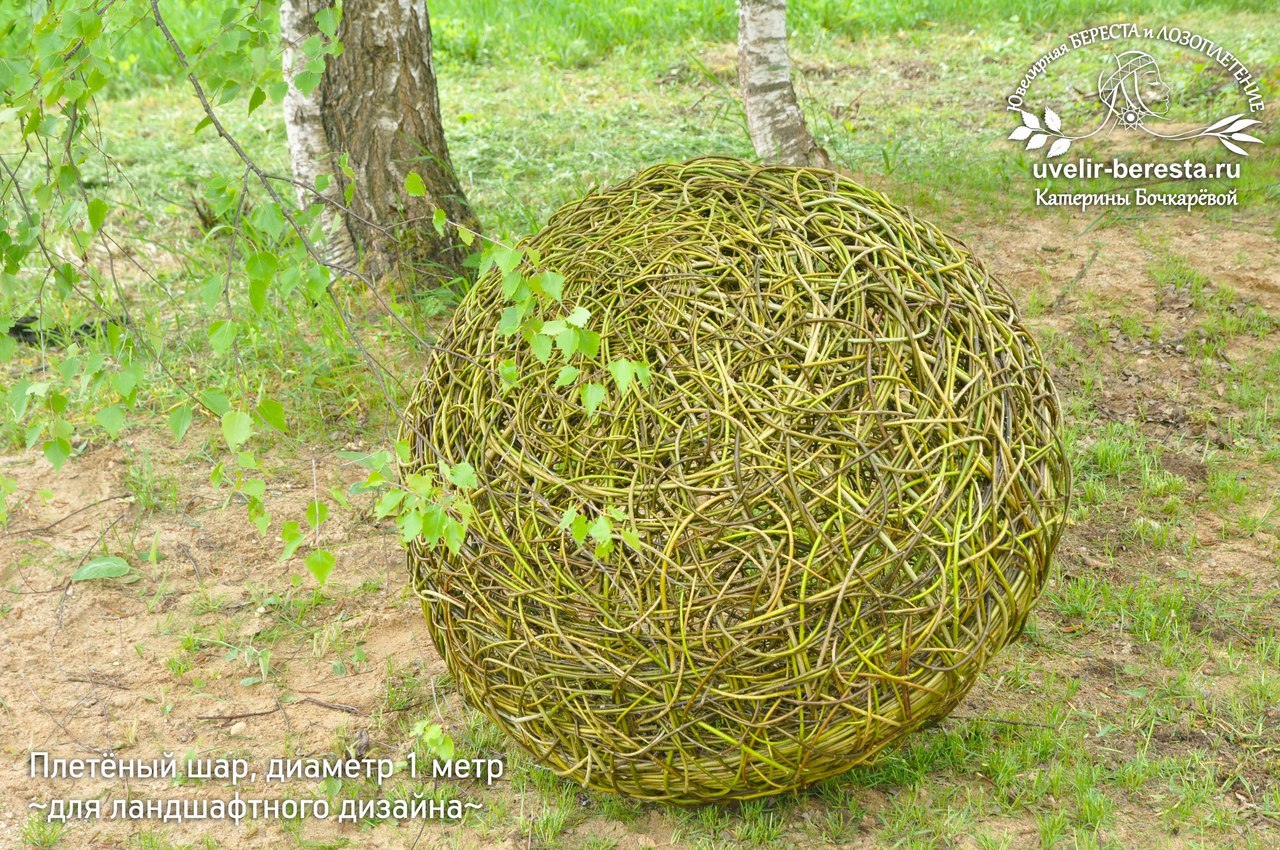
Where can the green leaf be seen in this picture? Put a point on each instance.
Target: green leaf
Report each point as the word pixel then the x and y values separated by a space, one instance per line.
pixel 221 334
pixel 272 412
pixel 511 320
pixel 404 451
pixel 124 381
pixel 327 21
pixel 98 210
pixel 261 265
pixel 432 524
pixel 540 345
pixel 58 451
pixel 579 529
pixel 567 341
pixel 389 502
pixel 256 99
pixel 601 530
pixel 513 286
pixel 101 568
pixel 588 343
pixel 463 475
pixel 567 518
pixel 306 82
pixel 631 538
pixel 506 258
pixel 453 535
pixel 509 373
pixel 269 219
pixel 552 284
pixel 258 295
pixel 578 318
pixel 317 513
pixel 642 372
pixel 438 219
pixel 593 395
pixel 568 374
pixel 554 327
pixel 413 185
pixel 237 427
pixel 111 419
pixel 216 401
pixel 410 526
pixel 317 281
pixel 623 373
pixel 180 421
pixel 19 395
pixel 211 290
pixel 320 564
pixel 291 535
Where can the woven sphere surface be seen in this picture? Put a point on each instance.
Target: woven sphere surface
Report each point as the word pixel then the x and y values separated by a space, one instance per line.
pixel 845 482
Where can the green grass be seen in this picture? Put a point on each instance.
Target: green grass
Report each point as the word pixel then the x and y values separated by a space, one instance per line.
pixel 40 834
pixel 579 33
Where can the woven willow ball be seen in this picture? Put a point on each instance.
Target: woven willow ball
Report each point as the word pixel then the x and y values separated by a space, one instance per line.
pixel 845 477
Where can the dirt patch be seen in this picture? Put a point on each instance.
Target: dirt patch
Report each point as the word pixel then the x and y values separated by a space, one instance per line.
pixel 164 663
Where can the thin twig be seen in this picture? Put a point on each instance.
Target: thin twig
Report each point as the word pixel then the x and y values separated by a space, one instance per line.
pixel 50 526
pixel 336 706
pixel 223 717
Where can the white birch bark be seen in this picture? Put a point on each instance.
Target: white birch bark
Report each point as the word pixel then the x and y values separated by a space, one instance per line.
pixel 377 103
pixel 309 147
pixel 774 119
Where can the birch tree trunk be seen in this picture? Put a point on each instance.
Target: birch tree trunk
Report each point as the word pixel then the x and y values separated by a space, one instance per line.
pixel 378 104
pixel 774 119
pixel 309 147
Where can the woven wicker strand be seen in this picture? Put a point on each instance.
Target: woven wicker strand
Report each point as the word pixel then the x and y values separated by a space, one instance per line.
pixel 846 476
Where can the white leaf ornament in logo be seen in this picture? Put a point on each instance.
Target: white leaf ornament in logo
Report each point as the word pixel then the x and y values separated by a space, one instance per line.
pixel 1132 92
pixel 1036 135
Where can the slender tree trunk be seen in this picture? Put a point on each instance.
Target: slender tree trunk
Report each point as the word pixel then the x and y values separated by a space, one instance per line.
pixel 774 119
pixel 377 103
pixel 309 147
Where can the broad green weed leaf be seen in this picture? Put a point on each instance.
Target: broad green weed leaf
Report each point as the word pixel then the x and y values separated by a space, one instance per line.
pixel 102 568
